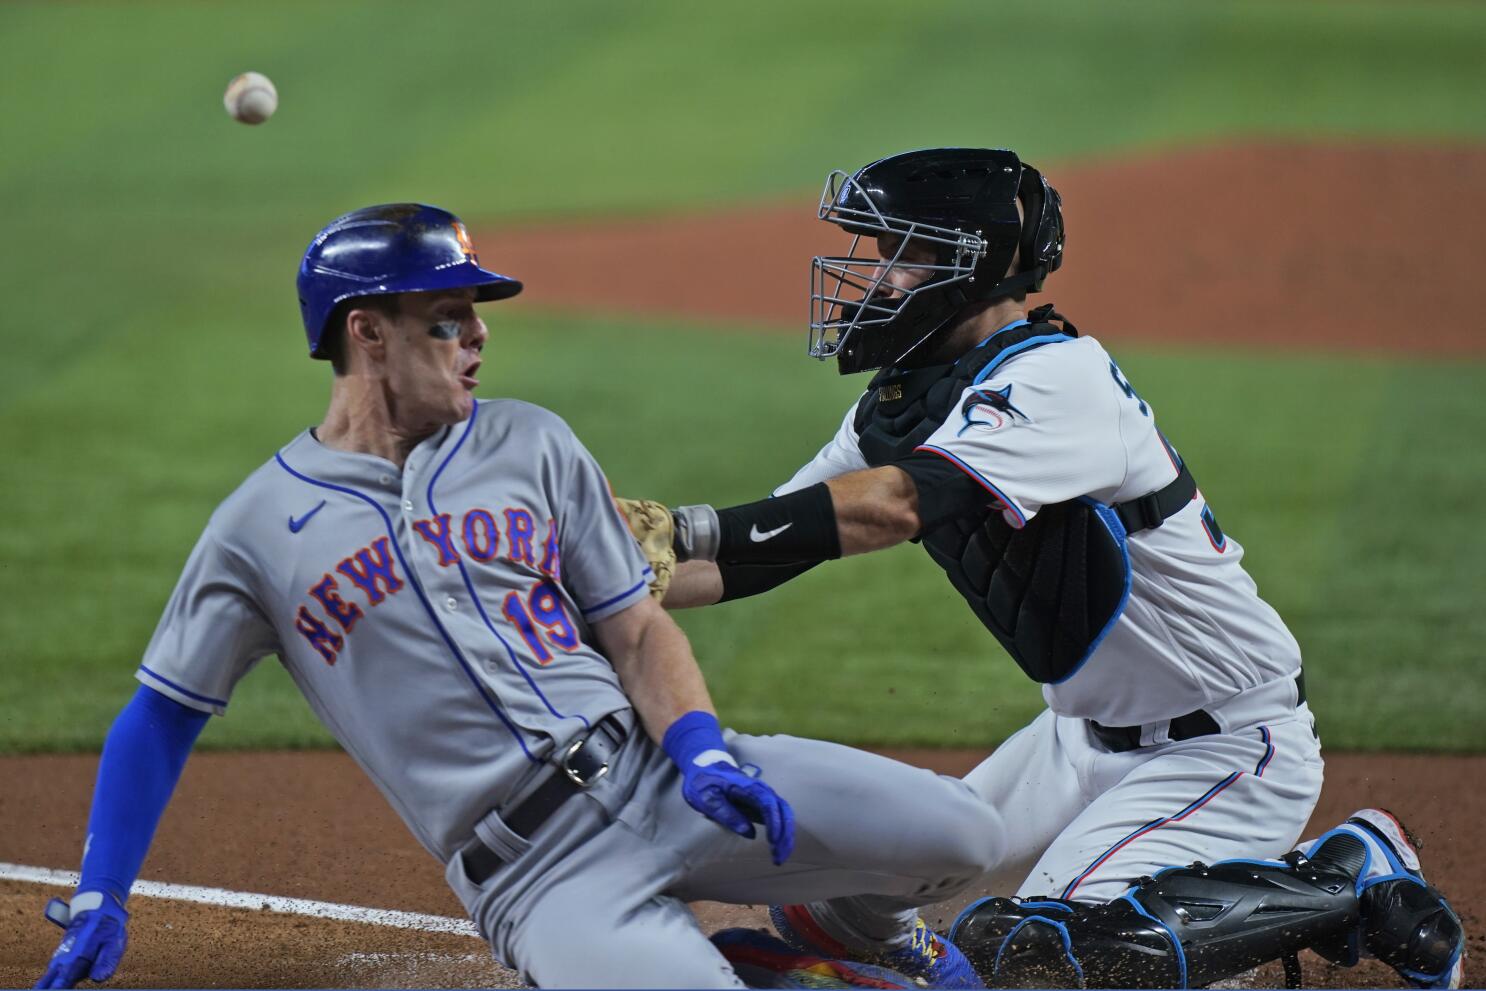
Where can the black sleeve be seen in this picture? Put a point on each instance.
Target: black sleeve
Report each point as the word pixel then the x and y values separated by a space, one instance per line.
pixel 742 580
pixel 788 529
pixel 944 491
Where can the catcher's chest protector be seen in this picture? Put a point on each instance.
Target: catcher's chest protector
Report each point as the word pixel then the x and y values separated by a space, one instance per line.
pixel 1049 591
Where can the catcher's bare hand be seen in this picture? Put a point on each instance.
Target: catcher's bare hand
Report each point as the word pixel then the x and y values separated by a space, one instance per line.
pixel 650 522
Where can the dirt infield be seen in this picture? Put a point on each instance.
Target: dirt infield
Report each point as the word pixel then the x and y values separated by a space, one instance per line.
pixel 1319 247
pixel 1273 245
pixel 310 825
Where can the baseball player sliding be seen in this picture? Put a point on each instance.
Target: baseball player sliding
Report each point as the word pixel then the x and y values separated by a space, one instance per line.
pixel 1031 469
pixel 451 587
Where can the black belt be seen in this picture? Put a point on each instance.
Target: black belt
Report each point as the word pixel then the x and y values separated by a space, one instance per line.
pixel 1119 739
pixel 582 763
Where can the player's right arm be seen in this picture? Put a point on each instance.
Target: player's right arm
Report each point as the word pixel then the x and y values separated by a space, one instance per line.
pixel 142 760
pixel 211 633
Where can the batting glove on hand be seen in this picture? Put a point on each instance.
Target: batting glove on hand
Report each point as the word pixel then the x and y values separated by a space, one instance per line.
pixel 94 942
pixel 729 795
pixel 714 784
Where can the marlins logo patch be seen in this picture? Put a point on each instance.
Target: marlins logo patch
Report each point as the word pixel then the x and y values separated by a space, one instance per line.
pixel 990 409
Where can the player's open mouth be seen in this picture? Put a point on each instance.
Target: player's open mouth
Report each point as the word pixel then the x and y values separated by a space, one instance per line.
pixel 467 378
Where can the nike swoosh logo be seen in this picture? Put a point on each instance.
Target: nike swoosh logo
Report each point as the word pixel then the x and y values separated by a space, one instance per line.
pixel 759 538
pixel 297 525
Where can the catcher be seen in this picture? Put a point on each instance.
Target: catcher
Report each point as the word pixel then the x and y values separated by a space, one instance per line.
pixel 1019 455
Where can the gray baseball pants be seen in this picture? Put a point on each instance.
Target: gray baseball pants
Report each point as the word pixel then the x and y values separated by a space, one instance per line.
pixel 597 897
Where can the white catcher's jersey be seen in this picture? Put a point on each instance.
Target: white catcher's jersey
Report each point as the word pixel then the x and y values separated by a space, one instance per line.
pixel 436 617
pixel 1066 423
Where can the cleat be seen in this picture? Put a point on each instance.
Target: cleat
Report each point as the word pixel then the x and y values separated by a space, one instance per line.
pixel 763 961
pixel 929 959
pixel 1406 922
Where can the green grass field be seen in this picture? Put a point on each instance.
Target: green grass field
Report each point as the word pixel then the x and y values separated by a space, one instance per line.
pixel 152 351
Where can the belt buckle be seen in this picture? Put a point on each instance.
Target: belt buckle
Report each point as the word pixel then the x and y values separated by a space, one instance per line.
pixel 573 775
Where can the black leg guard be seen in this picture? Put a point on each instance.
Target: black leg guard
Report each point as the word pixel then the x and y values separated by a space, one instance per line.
pixel 1187 927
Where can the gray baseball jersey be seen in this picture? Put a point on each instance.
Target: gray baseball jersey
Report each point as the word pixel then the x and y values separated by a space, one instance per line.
pixel 436 618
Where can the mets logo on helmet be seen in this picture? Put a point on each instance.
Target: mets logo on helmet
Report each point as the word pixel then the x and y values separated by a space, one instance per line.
pixel 465 244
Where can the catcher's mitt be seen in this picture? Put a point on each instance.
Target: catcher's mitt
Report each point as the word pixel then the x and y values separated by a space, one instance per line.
pixel 650 522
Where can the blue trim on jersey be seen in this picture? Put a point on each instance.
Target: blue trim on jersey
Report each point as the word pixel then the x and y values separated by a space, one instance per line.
pixel 978 477
pixel 615 598
pixel 1181 954
pixel 470 585
pixel 1016 349
pixel 422 598
pixel 184 691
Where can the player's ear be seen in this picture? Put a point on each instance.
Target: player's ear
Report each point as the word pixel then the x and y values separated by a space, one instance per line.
pixel 366 332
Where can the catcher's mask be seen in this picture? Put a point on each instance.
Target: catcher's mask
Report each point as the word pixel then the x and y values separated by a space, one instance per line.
pixel 960 204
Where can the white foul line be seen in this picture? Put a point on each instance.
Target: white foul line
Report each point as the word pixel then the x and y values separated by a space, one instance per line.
pixel 267 903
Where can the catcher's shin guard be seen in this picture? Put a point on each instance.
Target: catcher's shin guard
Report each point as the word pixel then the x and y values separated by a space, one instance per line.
pixel 1186 927
pixel 1406 923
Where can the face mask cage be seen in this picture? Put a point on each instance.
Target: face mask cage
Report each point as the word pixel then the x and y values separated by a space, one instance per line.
pixel 847 292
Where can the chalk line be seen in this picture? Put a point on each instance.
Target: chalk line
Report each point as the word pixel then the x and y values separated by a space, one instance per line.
pixel 269 903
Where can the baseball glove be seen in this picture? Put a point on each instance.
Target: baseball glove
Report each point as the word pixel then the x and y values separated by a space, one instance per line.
pixel 650 522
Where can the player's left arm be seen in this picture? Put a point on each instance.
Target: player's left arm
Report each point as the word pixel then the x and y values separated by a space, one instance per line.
pixel 660 676
pixel 655 665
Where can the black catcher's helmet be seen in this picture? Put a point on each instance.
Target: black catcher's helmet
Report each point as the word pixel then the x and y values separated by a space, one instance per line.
pixel 959 202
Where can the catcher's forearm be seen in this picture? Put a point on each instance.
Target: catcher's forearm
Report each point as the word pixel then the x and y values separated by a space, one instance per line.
pixel 695 583
pixel 851 514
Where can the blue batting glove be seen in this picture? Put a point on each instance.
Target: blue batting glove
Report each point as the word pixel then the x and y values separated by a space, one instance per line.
pixel 94 942
pixel 714 784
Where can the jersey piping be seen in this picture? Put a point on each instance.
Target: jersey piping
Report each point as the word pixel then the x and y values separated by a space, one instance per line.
pixel 981 480
pixel 1016 349
pixel 615 598
pixel 470 585
pixel 422 599
pixel 219 703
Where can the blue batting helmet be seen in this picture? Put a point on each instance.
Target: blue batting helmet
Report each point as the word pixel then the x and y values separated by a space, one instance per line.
pixel 392 248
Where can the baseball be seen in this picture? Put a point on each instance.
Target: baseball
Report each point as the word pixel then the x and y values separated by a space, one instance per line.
pixel 251 98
